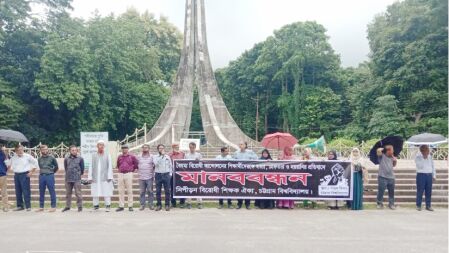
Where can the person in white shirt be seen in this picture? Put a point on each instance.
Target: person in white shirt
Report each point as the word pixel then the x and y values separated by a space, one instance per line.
pixel 224 156
pixel 425 175
pixel 193 155
pixel 23 165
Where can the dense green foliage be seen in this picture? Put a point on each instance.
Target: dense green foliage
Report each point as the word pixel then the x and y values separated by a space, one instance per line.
pixel 302 88
pixel 61 75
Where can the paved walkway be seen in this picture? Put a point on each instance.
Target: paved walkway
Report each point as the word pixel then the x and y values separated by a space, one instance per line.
pixel 212 230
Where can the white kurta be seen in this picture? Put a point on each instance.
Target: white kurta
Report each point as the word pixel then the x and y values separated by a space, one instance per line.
pixel 102 188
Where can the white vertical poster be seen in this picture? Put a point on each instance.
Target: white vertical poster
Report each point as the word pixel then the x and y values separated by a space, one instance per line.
pixel 184 144
pixel 89 145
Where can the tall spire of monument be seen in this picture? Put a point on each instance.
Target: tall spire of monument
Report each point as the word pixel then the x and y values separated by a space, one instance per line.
pixel 195 71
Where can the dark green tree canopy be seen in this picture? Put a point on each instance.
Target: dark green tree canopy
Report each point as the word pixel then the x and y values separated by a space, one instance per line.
pixel 61 75
pixel 302 87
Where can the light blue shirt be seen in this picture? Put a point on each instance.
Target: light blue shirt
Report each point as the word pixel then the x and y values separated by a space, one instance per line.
pixel 220 157
pixel 425 165
pixel 162 164
pixel 245 155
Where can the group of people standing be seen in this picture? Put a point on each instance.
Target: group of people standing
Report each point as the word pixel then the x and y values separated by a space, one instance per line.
pixel 360 177
pixel 425 175
pixel 157 169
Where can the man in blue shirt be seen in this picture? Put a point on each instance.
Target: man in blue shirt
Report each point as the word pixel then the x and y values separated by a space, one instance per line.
pixel 244 154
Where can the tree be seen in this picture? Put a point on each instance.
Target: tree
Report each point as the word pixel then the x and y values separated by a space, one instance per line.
pixel 11 109
pixel 361 91
pixel 386 118
pixel 409 57
pixel 104 74
pixel 277 72
pixel 319 114
pixel 409 62
pixel 61 75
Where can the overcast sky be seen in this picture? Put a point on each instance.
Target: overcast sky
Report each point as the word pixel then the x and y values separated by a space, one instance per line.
pixel 234 26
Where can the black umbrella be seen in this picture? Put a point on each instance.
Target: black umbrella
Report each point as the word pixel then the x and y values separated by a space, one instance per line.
pixel 396 141
pixel 426 139
pixel 85 182
pixel 10 135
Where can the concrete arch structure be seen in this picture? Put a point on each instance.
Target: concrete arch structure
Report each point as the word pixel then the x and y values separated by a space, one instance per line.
pixel 195 72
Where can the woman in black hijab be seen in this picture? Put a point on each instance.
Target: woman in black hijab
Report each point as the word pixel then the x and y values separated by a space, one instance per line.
pixel 265 203
pixel 265 155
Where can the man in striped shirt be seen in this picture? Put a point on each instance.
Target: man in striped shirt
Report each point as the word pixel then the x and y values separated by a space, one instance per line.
pixel 146 177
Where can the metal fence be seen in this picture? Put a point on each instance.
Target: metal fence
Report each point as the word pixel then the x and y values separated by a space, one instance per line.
pixel 140 136
pixel 59 151
pixel 408 153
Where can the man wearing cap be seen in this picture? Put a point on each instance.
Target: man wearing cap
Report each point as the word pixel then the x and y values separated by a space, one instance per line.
pixel 176 154
pixel 100 176
pixel 126 165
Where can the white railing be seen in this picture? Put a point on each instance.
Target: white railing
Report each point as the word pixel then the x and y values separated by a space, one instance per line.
pixel 59 151
pixel 407 153
pixel 140 137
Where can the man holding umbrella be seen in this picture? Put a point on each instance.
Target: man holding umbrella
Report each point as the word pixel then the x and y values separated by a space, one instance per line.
pixel 386 179
pixel 425 175
pixel 425 168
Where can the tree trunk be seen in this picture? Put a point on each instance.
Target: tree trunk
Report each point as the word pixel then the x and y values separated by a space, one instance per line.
pixel 257 117
pixel 267 98
pixel 417 117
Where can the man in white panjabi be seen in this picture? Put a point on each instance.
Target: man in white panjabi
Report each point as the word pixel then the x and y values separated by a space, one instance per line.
pixel 100 175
